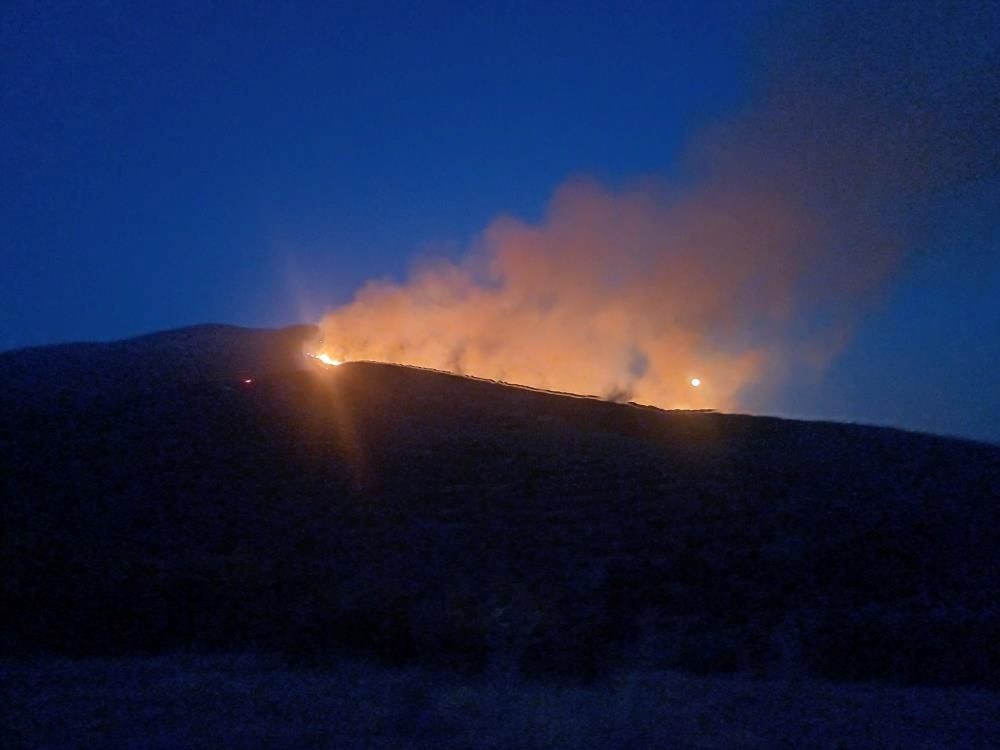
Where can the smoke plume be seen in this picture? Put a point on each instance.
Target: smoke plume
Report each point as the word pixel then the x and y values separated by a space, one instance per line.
pixel 787 222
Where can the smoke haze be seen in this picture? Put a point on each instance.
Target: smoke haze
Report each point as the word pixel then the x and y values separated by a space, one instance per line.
pixel 787 223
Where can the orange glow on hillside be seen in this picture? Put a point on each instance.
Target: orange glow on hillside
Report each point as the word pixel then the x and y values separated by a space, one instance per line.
pixel 620 295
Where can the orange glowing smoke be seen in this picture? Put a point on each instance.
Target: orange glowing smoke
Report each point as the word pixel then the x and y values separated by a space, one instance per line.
pixel 620 295
pixel 785 221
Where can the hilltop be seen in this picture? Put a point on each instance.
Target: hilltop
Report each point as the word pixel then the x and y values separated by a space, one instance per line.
pixel 153 500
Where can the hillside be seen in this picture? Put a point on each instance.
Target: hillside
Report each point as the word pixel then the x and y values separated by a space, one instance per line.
pixel 77 372
pixel 152 500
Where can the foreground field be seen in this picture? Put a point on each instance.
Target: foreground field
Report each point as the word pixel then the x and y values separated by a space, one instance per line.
pixel 183 701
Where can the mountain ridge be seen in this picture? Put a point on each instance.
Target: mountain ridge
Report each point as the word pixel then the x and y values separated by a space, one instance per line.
pixel 396 511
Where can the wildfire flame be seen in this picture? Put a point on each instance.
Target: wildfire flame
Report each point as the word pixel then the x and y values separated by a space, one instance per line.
pixel 325 358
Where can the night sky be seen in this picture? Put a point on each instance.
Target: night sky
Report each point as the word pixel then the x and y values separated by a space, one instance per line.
pixel 163 165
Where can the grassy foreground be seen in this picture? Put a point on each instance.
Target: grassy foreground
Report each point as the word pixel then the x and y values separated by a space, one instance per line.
pixel 237 701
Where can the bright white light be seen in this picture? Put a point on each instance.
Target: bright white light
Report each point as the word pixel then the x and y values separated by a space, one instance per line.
pixel 695 382
pixel 328 360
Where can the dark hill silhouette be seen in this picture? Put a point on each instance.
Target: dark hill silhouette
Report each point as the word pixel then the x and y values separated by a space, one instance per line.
pixel 152 500
pixel 75 372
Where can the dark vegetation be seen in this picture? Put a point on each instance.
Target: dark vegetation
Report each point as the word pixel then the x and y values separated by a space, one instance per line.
pixel 153 501
pixel 252 701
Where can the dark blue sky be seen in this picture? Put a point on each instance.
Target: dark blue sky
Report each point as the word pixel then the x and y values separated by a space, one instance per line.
pixel 165 165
